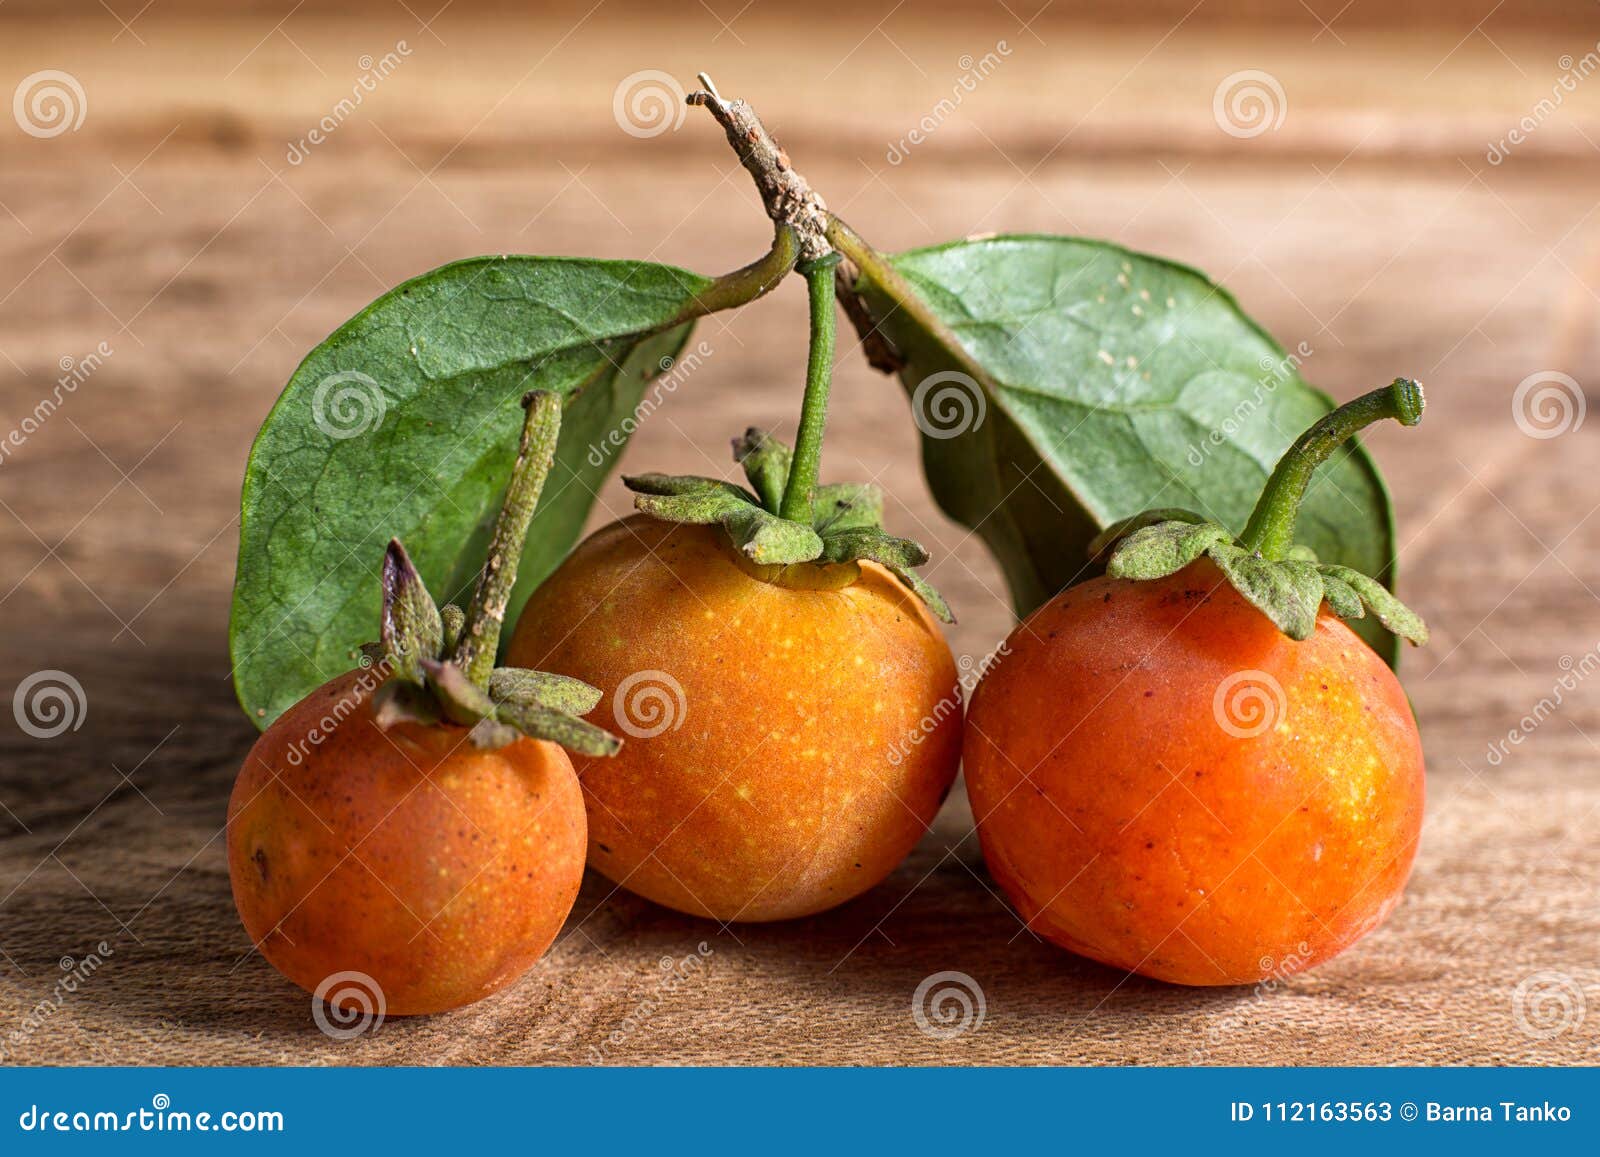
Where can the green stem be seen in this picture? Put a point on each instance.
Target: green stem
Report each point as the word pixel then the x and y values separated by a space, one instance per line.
pixel 480 638
pixel 743 286
pixel 797 495
pixel 1270 531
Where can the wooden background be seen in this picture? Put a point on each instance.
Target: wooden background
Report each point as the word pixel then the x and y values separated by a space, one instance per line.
pixel 1369 224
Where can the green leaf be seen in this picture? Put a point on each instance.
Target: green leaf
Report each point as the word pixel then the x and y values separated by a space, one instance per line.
pixel 1099 383
pixel 404 424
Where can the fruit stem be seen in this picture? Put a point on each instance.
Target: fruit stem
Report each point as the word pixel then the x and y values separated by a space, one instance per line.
pixel 1270 531
pixel 536 451
pixel 802 484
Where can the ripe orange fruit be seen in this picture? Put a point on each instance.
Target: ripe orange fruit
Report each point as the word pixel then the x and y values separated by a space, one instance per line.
pixel 778 762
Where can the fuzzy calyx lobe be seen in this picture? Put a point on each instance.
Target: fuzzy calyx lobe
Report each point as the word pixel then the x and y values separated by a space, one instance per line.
pixel 845 524
pixel 1282 579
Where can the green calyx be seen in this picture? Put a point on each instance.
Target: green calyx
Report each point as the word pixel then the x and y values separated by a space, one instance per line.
pixel 844 524
pixel 440 660
pixel 1281 579
pixel 786 519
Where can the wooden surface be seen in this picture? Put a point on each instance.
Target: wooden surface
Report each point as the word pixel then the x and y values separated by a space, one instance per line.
pixel 1369 225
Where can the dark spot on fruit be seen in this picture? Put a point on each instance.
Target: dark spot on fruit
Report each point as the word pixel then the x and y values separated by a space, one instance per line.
pixel 1107 599
pixel 261 863
pixel 1148 694
pixel 1149 843
pixel 603 848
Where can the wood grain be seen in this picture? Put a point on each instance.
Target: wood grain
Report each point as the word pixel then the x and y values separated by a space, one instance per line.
pixel 172 227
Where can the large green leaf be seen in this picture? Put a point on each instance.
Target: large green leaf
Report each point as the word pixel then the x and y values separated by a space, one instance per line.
pixel 404 424
pixel 1063 384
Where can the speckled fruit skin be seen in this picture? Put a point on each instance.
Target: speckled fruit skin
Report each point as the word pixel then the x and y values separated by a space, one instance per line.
pixel 1127 825
pixel 776 792
pixel 439 870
